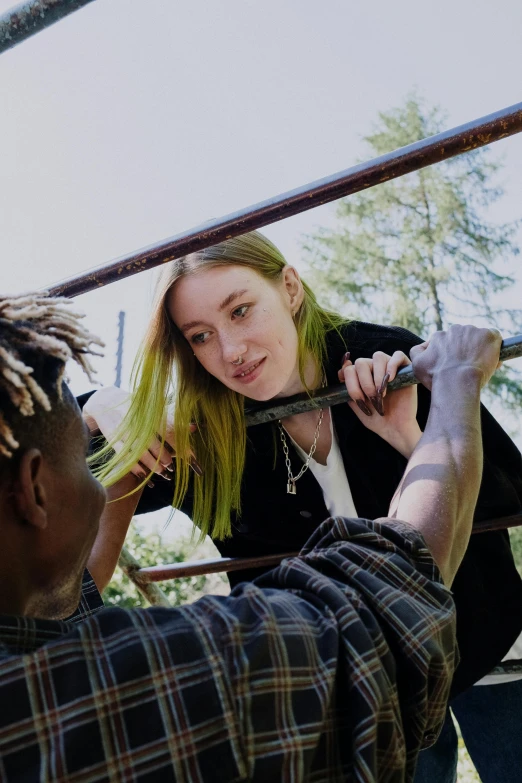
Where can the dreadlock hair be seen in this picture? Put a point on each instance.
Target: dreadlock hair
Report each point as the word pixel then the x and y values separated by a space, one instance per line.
pixel 38 335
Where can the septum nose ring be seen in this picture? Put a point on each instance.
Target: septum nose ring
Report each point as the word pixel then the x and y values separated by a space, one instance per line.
pixel 239 360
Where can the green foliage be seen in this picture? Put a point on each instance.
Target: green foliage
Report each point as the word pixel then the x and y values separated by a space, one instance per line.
pixel 516 545
pixel 151 550
pixel 418 251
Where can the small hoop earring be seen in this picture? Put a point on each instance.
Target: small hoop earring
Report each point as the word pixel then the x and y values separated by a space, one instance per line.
pixel 239 360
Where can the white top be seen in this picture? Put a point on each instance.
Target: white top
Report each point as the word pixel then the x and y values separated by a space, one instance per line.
pixel 332 479
pixel 515 654
pixel 339 502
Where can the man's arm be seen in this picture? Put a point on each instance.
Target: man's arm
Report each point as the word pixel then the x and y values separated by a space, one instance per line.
pixel 440 487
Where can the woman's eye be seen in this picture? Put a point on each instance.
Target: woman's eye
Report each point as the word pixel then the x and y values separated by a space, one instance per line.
pixel 240 312
pixel 199 338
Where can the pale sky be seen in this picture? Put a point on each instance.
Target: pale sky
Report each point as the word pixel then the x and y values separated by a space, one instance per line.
pixel 131 120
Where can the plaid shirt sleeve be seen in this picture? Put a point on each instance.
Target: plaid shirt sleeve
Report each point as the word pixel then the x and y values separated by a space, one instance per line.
pixel 334 666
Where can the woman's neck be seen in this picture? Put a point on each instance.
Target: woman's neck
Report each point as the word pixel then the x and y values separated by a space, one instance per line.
pixel 302 427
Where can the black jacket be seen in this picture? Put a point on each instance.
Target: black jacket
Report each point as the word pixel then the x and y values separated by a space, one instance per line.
pixel 487 589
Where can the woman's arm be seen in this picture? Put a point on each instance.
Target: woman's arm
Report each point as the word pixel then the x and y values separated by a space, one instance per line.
pixel 114 524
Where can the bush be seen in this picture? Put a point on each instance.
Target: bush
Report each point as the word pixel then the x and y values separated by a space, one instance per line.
pixel 151 549
pixel 516 545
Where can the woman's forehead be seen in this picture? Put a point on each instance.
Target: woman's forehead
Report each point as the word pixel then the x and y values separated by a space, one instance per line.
pixel 209 288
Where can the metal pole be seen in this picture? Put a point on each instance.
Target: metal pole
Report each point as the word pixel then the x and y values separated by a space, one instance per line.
pixel 119 352
pixel 218 565
pixel 416 156
pixel 26 19
pixel 334 395
pixel 161 573
pixel 130 566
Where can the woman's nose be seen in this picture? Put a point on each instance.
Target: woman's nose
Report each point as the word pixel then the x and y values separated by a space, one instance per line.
pixel 232 349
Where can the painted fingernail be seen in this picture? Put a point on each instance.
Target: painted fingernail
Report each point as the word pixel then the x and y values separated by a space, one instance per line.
pixel 381 391
pixel 362 406
pixel 170 468
pixel 166 445
pixel 196 467
pixel 346 357
pixel 377 404
pixel 165 475
pixel 150 484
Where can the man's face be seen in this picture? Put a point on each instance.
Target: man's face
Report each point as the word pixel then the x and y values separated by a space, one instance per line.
pixel 75 501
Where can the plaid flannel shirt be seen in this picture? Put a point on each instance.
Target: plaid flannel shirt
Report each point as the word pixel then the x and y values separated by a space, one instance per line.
pixel 334 666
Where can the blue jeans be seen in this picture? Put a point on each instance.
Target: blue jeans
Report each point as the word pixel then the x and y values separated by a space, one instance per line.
pixel 490 720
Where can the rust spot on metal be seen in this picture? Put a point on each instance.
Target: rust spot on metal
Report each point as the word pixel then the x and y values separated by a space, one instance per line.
pixel 33 16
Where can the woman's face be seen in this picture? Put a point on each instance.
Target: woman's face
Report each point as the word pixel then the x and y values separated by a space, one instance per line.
pixel 227 312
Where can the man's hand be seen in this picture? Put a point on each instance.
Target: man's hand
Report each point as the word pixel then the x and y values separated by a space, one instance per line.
pixel 459 348
pixel 440 486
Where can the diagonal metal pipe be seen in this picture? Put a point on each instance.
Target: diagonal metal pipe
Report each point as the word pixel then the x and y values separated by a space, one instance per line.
pixel 161 573
pixel 395 164
pixel 511 348
pixel 26 19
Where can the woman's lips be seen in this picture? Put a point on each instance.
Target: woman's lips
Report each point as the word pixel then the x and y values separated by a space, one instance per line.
pixel 250 373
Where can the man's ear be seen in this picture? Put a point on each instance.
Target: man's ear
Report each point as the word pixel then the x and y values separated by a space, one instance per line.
pixel 30 498
pixel 293 287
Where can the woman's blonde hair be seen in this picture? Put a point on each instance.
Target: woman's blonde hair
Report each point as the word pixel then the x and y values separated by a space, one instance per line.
pixel 166 371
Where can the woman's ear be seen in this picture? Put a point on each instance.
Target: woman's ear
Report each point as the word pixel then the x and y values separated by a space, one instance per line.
pixel 293 288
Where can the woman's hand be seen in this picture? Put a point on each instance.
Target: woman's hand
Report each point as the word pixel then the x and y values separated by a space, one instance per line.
pixel 104 412
pixel 393 416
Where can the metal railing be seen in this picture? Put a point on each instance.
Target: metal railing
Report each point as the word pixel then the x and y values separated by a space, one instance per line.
pixel 145 578
pixel 26 19
pixel 413 157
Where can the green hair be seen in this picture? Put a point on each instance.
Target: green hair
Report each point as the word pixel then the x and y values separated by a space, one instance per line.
pixel 166 371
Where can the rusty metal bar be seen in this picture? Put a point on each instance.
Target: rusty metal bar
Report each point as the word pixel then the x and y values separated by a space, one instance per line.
pixel 334 395
pixel 130 566
pixel 509 667
pixel 416 156
pixel 161 573
pixel 502 523
pixel 26 19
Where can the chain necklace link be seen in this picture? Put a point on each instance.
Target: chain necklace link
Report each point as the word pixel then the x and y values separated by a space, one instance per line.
pixel 290 486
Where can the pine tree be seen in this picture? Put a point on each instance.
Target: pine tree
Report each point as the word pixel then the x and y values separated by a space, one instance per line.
pixel 420 251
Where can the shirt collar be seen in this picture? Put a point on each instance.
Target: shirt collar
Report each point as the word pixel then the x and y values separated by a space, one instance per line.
pixel 22 635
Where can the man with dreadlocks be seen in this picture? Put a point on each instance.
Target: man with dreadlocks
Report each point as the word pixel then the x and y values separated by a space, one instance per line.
pixel 334 666
pixel 43 472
